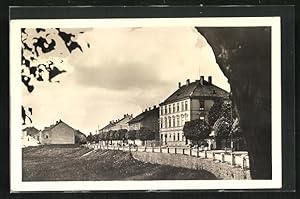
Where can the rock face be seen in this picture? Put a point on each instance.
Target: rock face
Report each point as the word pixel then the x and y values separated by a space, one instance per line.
pixel 244 56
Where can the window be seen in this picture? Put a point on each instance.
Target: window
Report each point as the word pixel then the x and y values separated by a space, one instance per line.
pixel 170 121
pixel 186 105
pixel 166 110
pixel 46 136
pixel 178 120
pixel 166 122
pixel 161 111
pixel 182 120
pixel 201 104
pixel 169 108
pixel 177 107
pixel 173 108
pixel 161 123
pixel 186 117
pixel 174 137
pixel 178 136
pixel 182 106
pixel 173 118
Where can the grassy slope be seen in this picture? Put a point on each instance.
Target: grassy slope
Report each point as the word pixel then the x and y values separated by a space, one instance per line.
pixel 66 163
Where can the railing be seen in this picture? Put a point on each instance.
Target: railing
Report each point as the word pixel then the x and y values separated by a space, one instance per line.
pixel 239 159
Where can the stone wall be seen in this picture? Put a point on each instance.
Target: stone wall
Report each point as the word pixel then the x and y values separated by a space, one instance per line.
pixel 220 170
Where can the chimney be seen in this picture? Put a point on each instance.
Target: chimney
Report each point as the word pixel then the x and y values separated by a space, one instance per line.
pixel 179 84
pixel 154 107
pixel 187 81
pixel 201 80
pixel 124 115
pixel 209 79
pixel 149 108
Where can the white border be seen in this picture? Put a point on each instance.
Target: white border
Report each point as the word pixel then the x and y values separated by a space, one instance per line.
pixel 15 106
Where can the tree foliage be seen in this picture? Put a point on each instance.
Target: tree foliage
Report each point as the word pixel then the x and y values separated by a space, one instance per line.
pixel 222 127
pixel 37 42
pixel 131 135
pixel 215 112
pixel 196 130
pixel 145 134
pixel 80 137
pixel 90 137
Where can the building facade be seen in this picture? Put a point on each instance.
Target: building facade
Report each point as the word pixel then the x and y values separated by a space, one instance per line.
pixel 117 124
pixel 149 118
pixel 189 102
pixel 58 133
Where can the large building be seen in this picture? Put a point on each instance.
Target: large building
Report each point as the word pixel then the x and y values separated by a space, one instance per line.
pixel 117 124
pixel 58 133
pixel 189 102
pixel 149 118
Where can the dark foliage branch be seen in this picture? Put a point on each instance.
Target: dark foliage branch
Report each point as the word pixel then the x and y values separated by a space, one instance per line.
pixel 32 50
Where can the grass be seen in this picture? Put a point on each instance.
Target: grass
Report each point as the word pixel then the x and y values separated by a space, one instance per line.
pixel 68 163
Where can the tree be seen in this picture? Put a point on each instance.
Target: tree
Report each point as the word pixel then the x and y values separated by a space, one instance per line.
pixel 122 134
pixel 222 129
pixel 145 134
pixel 131 135
pixel 215 112
pixel 244 57
pixel 90 137
pixel 196 130
pixel 80 138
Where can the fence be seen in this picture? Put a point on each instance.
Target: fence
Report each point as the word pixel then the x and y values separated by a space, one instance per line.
pixel 239 159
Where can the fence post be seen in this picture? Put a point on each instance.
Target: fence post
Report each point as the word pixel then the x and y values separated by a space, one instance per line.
pixel 137 148
pixel 213 156
pixel 152 149
pixel 168 150
pixel 205 154
pixel 243 162
pixel 232 159
pixel 182 151
pixel 197 154
pixel 160 149
pixel 145 149
pixel 129 149
pixel 222 157
pixel 175 150
pixel 190 151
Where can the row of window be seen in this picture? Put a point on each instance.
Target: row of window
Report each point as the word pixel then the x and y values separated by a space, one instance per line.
pixel 172 137
pixel 173 108
pixel 168 122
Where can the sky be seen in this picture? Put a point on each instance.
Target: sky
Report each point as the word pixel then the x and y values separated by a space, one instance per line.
pixel 125 70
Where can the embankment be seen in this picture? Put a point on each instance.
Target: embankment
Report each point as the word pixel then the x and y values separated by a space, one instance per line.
pixel 220 170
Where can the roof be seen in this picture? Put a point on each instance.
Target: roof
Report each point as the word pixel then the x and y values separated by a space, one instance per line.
pixel 113 123
pixel 31 130
pixel 195 89
pixel 54 125
pixel 144 115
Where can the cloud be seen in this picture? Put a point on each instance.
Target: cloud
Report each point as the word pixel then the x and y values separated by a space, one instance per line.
pixel 120 75
pixel 129 58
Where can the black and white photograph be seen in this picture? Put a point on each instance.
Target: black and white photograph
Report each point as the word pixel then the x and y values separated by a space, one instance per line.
pixel 161 104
